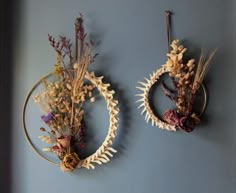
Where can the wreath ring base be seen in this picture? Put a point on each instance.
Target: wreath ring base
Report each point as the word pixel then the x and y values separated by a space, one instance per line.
pixel 105 151
pixel 144 100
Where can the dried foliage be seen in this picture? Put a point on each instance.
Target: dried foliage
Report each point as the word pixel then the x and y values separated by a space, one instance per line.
pixel 186 80
pixel 62 99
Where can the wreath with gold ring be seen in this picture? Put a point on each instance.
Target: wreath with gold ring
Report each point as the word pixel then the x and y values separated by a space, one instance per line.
pixel 62 100
pixel 187 78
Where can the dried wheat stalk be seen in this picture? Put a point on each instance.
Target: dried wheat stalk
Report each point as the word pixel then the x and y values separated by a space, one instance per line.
pixel 202 68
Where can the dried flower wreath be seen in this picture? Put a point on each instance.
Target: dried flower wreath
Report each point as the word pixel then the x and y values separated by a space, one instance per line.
pixel 187 79
pixel 62 101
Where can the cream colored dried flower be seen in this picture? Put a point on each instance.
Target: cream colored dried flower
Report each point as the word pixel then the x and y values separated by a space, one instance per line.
pixel 37 98
pixel 47 149
pixel 76 66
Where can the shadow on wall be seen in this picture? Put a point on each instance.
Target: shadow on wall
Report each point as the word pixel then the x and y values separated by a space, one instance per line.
pixel 7 13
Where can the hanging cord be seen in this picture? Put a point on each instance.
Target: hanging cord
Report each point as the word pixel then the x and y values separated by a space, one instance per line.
pixel 168 29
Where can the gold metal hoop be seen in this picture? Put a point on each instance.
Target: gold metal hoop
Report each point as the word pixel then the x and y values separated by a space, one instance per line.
pixel 144 100
pixel 204 101
pixel 105 150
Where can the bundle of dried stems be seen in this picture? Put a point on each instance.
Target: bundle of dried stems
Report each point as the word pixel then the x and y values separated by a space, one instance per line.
pixel 62 100
pixel 186 79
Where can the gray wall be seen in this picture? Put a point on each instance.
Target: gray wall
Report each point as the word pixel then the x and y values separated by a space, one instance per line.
pixel 131 41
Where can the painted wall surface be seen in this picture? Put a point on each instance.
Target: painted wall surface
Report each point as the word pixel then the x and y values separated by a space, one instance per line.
pixel 131 41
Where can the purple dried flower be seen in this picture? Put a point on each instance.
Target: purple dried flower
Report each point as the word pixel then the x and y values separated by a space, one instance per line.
pixel 171 117
pixel 47 118
pixel 185 123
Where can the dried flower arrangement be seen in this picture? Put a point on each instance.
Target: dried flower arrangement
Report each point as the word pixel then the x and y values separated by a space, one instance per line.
pixel 62 104
pixel 187 80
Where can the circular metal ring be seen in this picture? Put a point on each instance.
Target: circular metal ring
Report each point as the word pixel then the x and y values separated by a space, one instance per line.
pixel 24 122
pixel 100 156
pixel 144 100
pixel 204 101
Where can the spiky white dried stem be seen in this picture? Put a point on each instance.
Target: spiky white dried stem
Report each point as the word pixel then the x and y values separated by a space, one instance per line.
pixel 145 88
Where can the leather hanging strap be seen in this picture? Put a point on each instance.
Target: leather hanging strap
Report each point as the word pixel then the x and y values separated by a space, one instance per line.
pixel 168 29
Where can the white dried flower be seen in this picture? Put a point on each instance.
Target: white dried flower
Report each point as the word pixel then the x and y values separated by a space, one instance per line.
pixel 92 99
pixel 48 149
pixel 76 66
pixel 68 86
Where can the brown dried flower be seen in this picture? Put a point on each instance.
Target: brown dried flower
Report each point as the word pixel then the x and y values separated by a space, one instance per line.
pixel 69 162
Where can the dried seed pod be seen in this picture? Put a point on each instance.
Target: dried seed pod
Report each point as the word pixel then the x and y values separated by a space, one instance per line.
pixel 61 94
pixel 66 119
pixel 184 50
pixel 187 82
pixel 180 56
pixel 90 87
pixel 85 91
pixel 66 103
pixel 42 129
pixel 37 98
pixel 81 112
pixel 180 82
pixel 57 86
pixel 53 132
pixel 64 110
pixel 47 149
pixel 57 115
pixel 68 86
pixel 190 62
pixel 180 101
pixel 178 75
pixel 52 93
pixel 181 47
pixel 92 99
pixel 196 119
pixel 76 66
pixel 186 76
pixel 82 98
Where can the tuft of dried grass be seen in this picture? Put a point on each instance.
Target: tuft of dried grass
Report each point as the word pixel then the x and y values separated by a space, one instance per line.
pixel 202 68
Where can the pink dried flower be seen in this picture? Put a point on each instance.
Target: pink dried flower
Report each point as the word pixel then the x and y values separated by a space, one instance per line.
pixel 185 123
pixel 171 117
pixel 64 142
